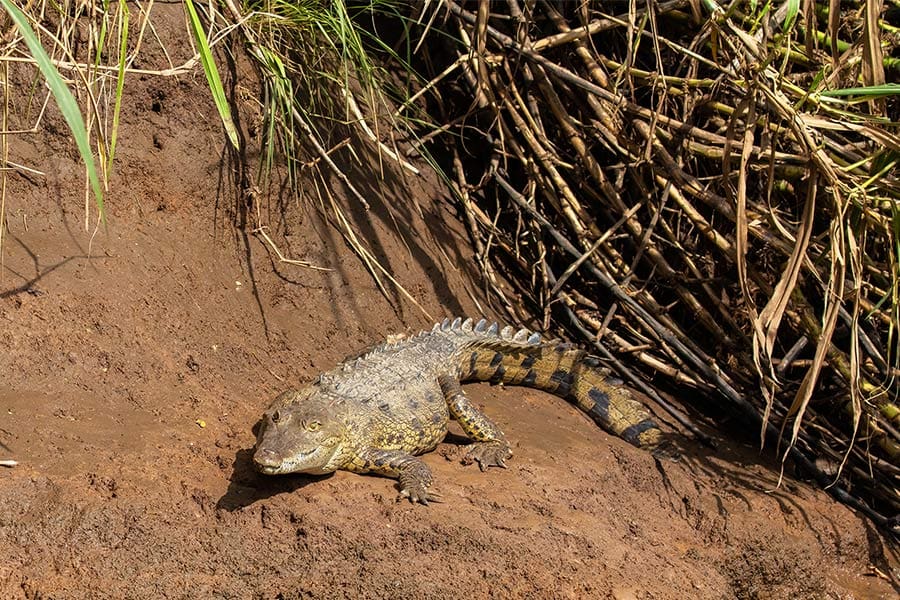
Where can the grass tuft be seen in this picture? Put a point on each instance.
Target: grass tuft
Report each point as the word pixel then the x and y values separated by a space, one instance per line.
pixel 212 73
pixel 68 106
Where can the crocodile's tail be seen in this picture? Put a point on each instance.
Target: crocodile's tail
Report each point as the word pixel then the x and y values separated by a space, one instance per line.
pixel 521 358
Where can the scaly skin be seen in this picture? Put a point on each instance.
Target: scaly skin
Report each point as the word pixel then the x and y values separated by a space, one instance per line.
pixel 375 413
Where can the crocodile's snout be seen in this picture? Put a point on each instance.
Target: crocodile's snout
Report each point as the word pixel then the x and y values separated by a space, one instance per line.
pixel 266 459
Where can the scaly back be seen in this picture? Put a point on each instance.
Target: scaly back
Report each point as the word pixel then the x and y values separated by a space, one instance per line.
pixel 487 353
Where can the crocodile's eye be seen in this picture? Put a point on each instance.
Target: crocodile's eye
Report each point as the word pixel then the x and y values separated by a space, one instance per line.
pixel 276 416
pixel 313 425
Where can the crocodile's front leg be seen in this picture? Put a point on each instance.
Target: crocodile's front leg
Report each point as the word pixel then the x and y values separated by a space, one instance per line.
pixel 490 447
pixel 413 474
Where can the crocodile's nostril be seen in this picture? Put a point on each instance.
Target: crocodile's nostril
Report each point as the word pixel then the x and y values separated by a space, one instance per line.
pixel 267 458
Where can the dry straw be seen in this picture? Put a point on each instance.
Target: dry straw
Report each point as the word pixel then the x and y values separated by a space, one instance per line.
pixel 711 195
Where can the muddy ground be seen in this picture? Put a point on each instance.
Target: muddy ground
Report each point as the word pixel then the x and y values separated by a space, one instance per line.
pixel 136 362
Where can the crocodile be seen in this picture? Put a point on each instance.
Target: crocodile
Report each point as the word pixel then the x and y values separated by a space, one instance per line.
pixel 376 412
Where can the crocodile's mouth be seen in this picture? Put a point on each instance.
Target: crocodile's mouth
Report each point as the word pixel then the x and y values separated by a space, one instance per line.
pixel 315 461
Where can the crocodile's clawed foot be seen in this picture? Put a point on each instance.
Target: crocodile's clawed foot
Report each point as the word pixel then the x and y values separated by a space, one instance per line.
pixel 415 479
pixel 420 496
pixel 488 454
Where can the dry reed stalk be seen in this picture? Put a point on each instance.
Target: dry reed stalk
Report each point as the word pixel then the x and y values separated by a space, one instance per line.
pixel 691 172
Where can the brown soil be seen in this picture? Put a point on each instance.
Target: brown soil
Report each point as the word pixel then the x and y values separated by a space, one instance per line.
pixel 137 363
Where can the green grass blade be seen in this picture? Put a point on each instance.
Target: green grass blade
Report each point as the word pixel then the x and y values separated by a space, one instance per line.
pixel 868 92
pixel 68 106
pixel 120 82
pixel 212 73
pixel 101 38
pixel 793 9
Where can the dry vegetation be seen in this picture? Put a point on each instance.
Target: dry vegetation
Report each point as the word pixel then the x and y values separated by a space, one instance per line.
pixel 706 194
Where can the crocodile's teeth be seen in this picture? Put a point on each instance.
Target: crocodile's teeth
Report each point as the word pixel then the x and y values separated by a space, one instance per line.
pixel 445 324
pixel 506 333
pixel 534 339
pixel 436 327
pixel 480 325
pixel 466 325
pixel 521 335
pixel 456 323
pixel 493 329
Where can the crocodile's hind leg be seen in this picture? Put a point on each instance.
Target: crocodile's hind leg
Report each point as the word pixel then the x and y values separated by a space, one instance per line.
pixel 490 448
pixel 414 475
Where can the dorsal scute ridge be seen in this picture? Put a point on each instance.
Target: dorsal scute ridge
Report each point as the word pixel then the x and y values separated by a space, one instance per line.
pixel 468 332
pixel 482 332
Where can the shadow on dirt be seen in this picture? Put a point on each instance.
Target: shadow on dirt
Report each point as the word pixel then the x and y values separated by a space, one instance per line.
pixel 401 226
pixel 739 471
pixel 246 486
pixel 878 554
pixel 744 469
pixel 29 284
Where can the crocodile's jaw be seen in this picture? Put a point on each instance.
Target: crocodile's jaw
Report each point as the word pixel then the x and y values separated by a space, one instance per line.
pixel 317 461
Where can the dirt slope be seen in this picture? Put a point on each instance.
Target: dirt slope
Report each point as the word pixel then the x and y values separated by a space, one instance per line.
pixel 136 362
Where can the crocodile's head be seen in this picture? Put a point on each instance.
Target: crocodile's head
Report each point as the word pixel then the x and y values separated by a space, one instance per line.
pixel 299 433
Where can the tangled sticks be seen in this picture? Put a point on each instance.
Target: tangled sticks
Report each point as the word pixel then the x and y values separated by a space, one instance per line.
pixel 700 201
